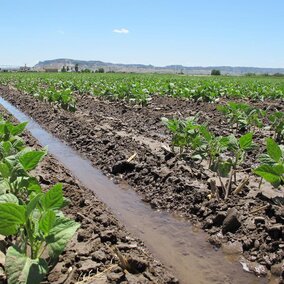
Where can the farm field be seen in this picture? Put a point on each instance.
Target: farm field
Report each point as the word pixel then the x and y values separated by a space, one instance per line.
pixel 89 255
pixel 207 148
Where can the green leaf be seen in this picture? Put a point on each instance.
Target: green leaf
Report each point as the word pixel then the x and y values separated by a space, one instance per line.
pixel 224 168
pixel 8 198
pixel 269 174
pixel 206 133
pixel 18 129
pixel 233 142
pixel 4 170
pixel 278 168
pixel 246 141
pixel 273 149
pixel 11 215
pixel 17 171
pixel 18 143
pixel 30 160
pixel 60 235
pixel 30 183
pixel 33 204
pixel 6 148
pixel 53 199
pixel 266 159
pixel 23 270
pixel 4 186
pixel 47 221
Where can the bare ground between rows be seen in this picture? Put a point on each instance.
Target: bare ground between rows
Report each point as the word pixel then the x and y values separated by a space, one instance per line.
pixel 97 252
pixel 108 133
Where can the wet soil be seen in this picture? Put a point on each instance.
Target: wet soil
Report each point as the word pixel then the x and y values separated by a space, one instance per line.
pixel 102 251
pixel 109 133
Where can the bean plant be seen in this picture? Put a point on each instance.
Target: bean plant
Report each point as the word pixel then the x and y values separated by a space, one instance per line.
pixel 271 166
pixel 31 219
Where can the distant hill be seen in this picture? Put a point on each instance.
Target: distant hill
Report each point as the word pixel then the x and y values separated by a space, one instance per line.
pixel 141 68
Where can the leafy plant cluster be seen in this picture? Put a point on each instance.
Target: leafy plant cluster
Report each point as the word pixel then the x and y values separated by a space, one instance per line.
pixel 49 91
pixel 35 228
pixel 139 88
pixel 245 117
pixel 225 154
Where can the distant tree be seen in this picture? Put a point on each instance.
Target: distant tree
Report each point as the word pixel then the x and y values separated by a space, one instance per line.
pixel 216 72
pixel 67 68
pixel 63 69
pixel 275 74
pixel 249 74
pixel 86 70
pixel 100 70
pixel 76 67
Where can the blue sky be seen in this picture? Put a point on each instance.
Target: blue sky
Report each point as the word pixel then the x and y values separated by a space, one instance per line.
pixel 158 32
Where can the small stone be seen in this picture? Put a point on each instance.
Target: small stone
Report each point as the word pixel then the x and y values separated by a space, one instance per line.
pixel 232 248
pixel 231 222
pixel 256 244
pixel 215 241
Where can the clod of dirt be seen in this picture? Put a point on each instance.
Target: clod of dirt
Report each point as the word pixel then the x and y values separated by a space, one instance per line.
pixel 278 269
pixel 99 256
pixel 122 167
pixel 276 231
pixel 137 264
pixel 231 222
pixel 232 248
pixel 219 219
pixel 108 236
pixel 116 275
pixel 89 265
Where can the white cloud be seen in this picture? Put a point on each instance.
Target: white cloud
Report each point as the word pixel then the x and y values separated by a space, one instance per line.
pixel 60 32
pixel 121 31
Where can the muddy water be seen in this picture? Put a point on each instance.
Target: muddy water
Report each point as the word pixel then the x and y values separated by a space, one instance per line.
pixel 174 241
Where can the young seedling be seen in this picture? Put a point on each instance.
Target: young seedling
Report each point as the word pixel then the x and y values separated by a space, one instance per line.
pixel 228 166
pixel 271 166
pixel 32 220
pixel 214 145
pixel 277 125
pixel 39 227
pixel 242 115
pixel 185 133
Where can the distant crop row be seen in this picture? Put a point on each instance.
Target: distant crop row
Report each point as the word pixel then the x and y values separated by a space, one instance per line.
pixel 139 89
